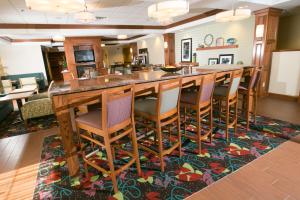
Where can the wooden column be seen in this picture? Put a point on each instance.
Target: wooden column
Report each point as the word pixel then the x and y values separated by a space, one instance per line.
pixel 267 21
pixel 134 48
pixel 169 45
pixel 69 44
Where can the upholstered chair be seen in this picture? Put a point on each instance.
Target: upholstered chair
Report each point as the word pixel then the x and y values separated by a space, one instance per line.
pixel 38 105
pixel 226 97
pixel 30 81
pixel 164 111
pixel 109 128
pixel 200 103
pixel 7 86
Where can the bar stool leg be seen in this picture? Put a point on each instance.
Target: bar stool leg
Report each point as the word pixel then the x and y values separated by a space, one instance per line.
pixel 184 119
pixel 160 146
pixel 198 133
pixel 136 151
pixel 227 122
pixel 235 117
pixel 211 123
pixel 110 163
pixel 179 135
pixel 248 113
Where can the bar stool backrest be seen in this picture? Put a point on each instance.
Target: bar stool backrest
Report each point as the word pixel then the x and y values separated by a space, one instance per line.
pixel 206 89
pixel 254 83
pixel 169 96
pixel 117 108
pixel 234 82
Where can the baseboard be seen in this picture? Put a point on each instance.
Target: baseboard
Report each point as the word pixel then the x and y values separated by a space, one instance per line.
pixel 284 97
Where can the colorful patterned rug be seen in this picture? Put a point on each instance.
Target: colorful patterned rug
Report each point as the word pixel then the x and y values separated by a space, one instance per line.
pixel 13 125
pixel 183 176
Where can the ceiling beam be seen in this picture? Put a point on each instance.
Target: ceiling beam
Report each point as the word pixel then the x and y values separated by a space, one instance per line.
pixel 80 26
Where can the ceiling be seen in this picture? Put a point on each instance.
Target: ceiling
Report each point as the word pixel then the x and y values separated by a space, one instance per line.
pixel 115 12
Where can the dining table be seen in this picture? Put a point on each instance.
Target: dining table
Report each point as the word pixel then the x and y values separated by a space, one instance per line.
pixel 67 95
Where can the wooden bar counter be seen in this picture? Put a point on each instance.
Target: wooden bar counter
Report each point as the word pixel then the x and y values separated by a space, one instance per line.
pixel 67 95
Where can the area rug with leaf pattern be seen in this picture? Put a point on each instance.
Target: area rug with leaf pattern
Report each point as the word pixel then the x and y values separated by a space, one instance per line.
pixel 182 177
pixel 13 125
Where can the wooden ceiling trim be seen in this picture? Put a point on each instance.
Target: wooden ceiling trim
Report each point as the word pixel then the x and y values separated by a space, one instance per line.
pixel 80 26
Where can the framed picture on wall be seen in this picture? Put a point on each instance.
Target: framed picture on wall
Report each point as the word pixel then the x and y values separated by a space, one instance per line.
pixel 213 61
pixel 226 58
pixel 186 50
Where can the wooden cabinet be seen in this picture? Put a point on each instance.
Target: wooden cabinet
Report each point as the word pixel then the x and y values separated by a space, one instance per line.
pixel 265 44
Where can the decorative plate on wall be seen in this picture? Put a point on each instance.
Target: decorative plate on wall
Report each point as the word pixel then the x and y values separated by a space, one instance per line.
pixel 208 40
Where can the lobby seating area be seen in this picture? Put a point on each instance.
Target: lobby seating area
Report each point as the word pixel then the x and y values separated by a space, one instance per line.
pixel 149 100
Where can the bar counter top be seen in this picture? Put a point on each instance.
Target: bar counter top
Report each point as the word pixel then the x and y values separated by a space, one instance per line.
pixel 112 80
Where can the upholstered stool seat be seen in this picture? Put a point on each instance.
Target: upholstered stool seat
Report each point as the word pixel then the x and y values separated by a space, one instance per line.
pixel 221 91
pixel 147 105
pixel 188 97
pixel 92 118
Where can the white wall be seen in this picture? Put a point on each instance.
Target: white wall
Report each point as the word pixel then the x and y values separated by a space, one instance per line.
pixel 22 59
pixel 243 31
pixel 285 73
pixel 155 47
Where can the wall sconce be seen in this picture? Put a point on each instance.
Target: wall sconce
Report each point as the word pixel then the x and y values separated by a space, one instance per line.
pixel 130 50
pixel 259 32
pixel 165 45
pixel 102 45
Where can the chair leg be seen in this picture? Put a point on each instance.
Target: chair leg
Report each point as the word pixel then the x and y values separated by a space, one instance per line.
pixel 179 135
pixel 254 107
pixel 26 123
pixel 198 133
pixel 160 146
pixel 184 119
pixel 248 113
pixel 110 163
pixel 136 151
pixel 86 172
pixel 227 122
pixel 211 123
pixel 236 117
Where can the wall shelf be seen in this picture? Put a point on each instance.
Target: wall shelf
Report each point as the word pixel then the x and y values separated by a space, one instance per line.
pixel 218 47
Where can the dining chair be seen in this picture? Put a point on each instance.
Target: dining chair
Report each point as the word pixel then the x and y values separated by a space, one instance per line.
pixel 226 98
pixel 248 91
pixel 199 102
pixel 163 110
pixel 7 86
pixel 109 127
pixel 29 81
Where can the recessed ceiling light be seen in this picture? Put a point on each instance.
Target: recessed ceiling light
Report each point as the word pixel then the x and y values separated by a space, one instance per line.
pixel 58 38
pixel 122 37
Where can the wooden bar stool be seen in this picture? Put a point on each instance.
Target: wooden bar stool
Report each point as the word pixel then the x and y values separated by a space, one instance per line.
pixel 248 91
pixel 226 97
pixel 201 102
pixel 162 110
pixel 105 128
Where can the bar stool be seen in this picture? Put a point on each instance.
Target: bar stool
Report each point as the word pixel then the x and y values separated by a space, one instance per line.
pixel 248 92
pixel 201 102
pixel 226 97
pixel 163 110
pixel 105 128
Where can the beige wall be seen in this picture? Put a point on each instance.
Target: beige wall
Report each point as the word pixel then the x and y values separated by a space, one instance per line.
pixel 289 32
pixel 155 47
pixel 243 31
pixel 22 59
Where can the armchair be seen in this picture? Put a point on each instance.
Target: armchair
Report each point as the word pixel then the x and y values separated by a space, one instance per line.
pixel 30 81
pixel 37 106
pixel 7 86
